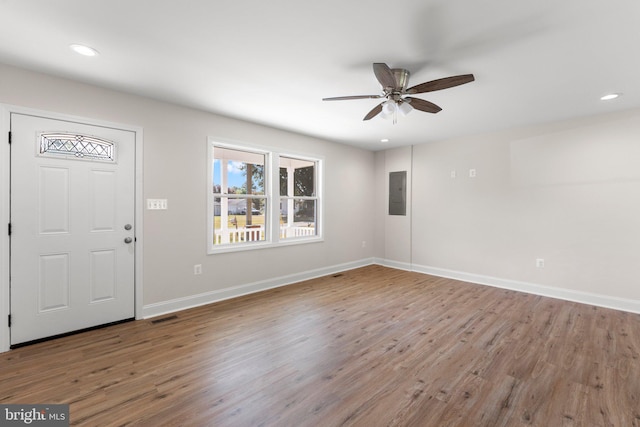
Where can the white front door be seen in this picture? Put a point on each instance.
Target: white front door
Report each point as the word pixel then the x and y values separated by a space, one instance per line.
pixel 72 226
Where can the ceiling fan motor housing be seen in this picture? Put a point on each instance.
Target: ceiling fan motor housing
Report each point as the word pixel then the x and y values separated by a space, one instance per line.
pixel 401 77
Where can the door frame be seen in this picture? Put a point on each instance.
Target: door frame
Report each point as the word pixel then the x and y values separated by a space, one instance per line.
pixel 5 181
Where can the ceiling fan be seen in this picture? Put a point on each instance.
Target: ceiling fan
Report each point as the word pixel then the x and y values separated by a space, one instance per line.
pixel 394 83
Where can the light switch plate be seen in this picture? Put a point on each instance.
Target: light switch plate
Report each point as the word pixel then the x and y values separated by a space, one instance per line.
pixel 157 204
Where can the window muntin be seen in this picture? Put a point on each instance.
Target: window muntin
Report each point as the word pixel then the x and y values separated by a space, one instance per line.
pixel 280 183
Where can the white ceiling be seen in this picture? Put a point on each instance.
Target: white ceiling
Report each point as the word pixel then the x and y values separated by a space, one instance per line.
pixel 272 62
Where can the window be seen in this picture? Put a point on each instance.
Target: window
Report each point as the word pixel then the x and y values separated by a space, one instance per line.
pixel 247 210
pixel 74 146
pixel 298 200
pixel 239 204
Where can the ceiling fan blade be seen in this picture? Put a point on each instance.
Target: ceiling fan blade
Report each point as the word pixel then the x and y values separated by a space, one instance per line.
pixel 384 75
pixel 422 105
pixel 440 84
pixel 343 98
pixel 376 110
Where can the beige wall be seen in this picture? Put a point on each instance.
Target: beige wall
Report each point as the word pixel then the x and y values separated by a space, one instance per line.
pixel 175 168
pixel 568 193
pixel 394 231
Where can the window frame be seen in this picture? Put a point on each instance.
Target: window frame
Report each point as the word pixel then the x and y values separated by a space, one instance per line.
pixel 272 197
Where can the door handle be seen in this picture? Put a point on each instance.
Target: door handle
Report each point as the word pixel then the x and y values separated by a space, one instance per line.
pixel 128 240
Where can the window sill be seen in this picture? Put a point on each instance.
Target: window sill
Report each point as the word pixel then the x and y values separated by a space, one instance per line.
pixel 241 247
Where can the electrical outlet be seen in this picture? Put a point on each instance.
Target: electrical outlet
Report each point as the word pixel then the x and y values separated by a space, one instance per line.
pixel 539 263
pixel 197 269
pixel 453 173
pixel 472 173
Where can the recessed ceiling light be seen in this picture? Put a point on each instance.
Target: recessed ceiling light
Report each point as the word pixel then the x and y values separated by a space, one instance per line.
pixel 610 96
pixel 83 50
pixel 384 140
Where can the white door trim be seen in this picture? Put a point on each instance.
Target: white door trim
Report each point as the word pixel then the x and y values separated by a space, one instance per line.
pixel 5 112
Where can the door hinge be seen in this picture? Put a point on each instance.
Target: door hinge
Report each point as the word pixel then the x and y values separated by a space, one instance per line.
pixel 9 319
pixel 9 229
pixel 9 137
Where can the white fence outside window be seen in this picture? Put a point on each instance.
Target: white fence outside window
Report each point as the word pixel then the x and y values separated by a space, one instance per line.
pixel 256 234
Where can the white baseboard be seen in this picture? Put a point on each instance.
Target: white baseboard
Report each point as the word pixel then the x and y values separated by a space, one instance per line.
pixel 178 304
pixel 165 307
pixel 393 264
pixel 605 301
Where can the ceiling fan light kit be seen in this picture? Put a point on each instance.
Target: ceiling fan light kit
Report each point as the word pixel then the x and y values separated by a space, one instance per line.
pixel 394 83
pixel 391 108
pixel 405 108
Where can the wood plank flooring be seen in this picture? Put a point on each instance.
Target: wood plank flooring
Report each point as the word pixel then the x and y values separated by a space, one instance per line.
pixel 369 347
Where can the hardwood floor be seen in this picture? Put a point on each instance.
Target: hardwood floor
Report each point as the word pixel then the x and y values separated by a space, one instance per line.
pixel 369 347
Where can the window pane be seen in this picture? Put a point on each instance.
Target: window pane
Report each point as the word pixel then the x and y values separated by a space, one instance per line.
pixel 240 225
pixel 297 218
pixel 302 176
pixel 242 171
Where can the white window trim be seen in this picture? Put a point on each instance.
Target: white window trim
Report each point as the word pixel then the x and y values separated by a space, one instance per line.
pixel 272 193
